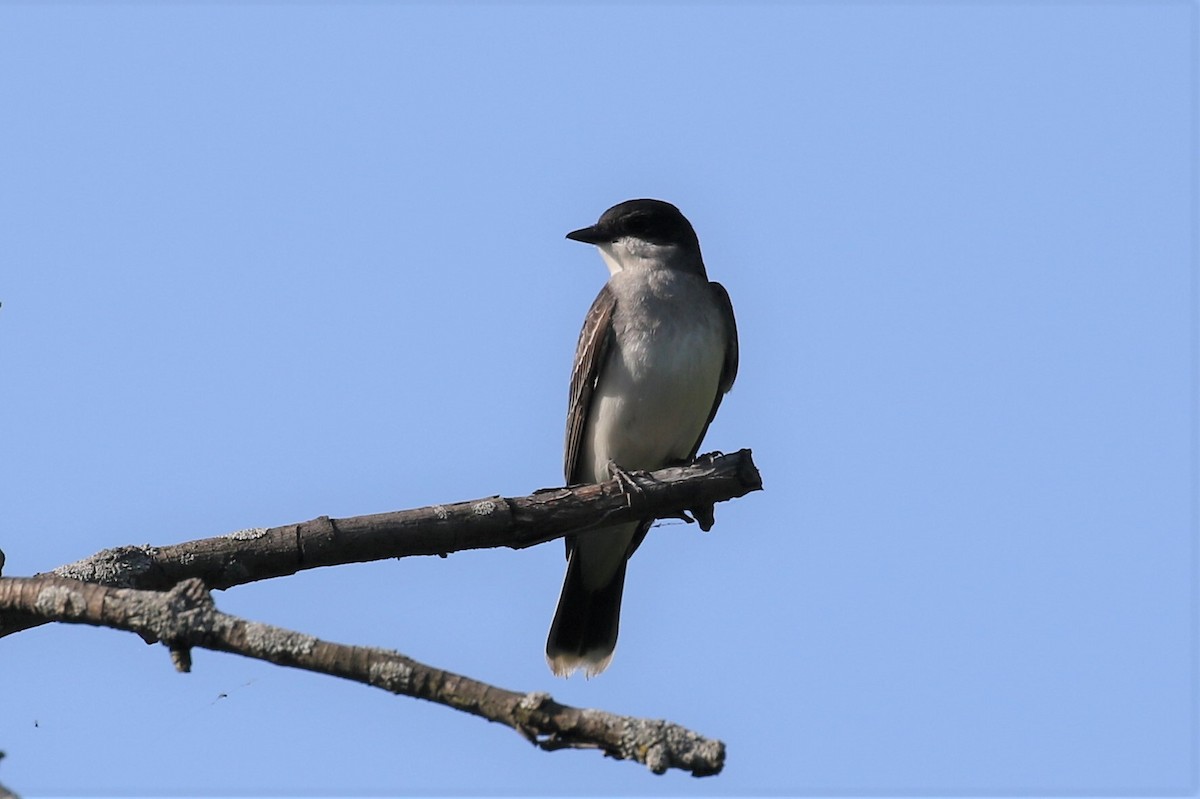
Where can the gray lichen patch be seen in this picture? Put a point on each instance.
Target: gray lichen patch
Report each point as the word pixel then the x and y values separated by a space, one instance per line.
pixel 150 614
pixel 273 642
pixel 533 701
pixel 661 744
pixel 120 566
pixel 390 675
pixel 484 508
pixel 249 534
pixel 60 601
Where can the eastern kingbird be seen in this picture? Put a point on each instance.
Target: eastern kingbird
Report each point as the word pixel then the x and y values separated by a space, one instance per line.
pixel 657 352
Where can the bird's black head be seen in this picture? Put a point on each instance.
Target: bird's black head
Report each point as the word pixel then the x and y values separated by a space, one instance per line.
pixel 652 221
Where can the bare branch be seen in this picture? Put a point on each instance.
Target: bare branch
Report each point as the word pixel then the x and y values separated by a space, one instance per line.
pixel 115 588
pixel 186 617
pixel 262 553
pixel 5 793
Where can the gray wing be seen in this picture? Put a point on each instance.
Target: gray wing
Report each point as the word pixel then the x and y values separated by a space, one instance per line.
pixel 730 367
pixel 594 341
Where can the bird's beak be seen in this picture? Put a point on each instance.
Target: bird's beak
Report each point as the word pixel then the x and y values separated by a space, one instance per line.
pixel 588 235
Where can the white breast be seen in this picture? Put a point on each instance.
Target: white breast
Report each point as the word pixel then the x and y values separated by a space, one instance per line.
pixel 661 377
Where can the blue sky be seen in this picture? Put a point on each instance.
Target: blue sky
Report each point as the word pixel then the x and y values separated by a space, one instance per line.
pixel 270 262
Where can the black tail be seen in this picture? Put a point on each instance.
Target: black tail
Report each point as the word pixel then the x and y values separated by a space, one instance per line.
pixel 584 631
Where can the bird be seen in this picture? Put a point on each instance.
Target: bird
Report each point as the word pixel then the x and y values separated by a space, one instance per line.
pixel 657 353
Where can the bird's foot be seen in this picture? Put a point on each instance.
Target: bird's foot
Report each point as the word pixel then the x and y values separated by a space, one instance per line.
pixel 628 480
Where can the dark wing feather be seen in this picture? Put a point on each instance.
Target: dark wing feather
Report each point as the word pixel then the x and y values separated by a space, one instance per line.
pixel 730 367
pixel 594 341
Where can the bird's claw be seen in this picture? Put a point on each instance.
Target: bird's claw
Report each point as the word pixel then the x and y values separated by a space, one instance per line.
pixel 628 480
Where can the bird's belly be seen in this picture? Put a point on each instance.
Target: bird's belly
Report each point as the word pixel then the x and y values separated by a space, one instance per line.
pixel 653 401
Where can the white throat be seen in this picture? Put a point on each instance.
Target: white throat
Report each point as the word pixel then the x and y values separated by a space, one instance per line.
pixel 611 259
pixel 628 252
